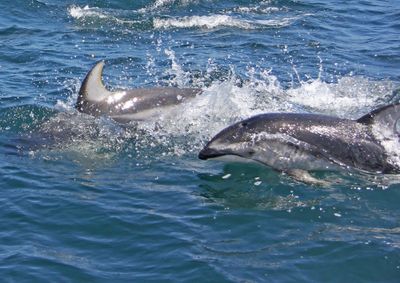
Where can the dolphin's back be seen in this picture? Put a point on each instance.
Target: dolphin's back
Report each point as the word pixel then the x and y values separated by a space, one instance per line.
pixel 127 105
pixel 136 104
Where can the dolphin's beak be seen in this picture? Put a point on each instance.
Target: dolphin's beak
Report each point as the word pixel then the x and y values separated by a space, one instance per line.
pixel 207 153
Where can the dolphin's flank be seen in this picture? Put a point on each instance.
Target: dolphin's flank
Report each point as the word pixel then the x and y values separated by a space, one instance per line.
pixel 127 105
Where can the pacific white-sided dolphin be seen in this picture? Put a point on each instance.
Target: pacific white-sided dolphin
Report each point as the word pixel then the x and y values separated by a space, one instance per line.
pixel 127 105
pixel 297 143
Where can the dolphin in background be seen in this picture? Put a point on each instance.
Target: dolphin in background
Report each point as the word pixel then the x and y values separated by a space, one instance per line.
pixel 297 143
pixel 127 105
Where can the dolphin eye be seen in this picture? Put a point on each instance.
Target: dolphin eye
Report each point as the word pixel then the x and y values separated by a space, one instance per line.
pixel 243 124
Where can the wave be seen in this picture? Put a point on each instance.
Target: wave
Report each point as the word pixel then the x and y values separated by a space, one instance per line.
pixel 208 22
pixel 93 14
pixel 79 13
pixel 216 21
pixel 232 19
pixel 257 9
pixel 163 4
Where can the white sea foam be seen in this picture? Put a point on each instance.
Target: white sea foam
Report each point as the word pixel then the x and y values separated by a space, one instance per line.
pixel 156 5
pixel 261 8
pixel 81 13
pixel 257 9
pixel 208 22
pixel 93 13
pixel 161 4
pixel 278 23
pixel 350 97
pixel 217 21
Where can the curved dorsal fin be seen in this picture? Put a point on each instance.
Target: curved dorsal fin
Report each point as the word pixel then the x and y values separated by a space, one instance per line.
pixel 92 88
pixel 386 117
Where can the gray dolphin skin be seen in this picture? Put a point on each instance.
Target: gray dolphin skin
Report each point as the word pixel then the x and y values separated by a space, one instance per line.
pixel 297 143
pixel 127 105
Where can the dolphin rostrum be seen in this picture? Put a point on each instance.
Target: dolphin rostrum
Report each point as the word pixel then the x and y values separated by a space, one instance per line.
pixel 127 105
pixel 296 143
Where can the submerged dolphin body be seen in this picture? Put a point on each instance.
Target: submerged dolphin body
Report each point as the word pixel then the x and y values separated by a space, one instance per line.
pixel 127 105
pixel 297 143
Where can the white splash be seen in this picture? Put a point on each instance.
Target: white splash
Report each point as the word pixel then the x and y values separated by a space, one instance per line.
pixel 186 128
pixel 350 97
pixel 390 141
pixel 257 9
pixel 223 103
pixel 176 69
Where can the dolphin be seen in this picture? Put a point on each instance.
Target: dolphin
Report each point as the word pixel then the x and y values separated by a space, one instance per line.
pixel 127 105
pixel 297 143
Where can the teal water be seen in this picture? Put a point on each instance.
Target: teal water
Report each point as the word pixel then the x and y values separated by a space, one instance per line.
pixel 88 200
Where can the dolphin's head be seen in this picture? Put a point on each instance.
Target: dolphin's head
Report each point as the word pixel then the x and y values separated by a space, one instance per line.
pixel 237 139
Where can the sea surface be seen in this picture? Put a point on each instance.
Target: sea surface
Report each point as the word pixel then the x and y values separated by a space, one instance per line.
pixel 86 199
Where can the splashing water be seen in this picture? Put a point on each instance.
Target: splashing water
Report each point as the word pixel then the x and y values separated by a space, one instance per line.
pixel 185 129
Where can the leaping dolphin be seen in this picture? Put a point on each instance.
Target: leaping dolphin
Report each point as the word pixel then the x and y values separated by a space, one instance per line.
pixel 297 143
pixel 127 105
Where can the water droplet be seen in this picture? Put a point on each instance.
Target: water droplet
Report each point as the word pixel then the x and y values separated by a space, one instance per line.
pixel 226 176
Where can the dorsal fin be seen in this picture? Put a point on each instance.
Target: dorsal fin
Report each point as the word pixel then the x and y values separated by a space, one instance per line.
pixel 92 88
pixel 386 117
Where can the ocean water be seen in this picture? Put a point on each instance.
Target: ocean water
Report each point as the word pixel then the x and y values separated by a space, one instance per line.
pixel 89 200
